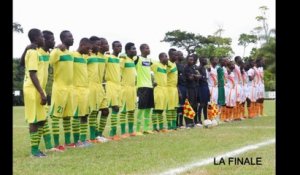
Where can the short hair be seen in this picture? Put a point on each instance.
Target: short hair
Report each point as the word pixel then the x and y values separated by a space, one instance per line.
pixel 84 41
pixel 258 60
pixel 160 55
pixel 171 50
pixel 128 46
pixel 143 45
pixel 94 38
pixel 113 43
pixel 63 33
pixel 202 59
pixel 101 39
pixel 33 33
pixel 47 34
pixel 237 57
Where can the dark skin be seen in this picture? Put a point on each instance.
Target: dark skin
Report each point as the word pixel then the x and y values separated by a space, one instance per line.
pixel 223 62
pixel 67 41
pixel 239 61
pixel 179 56
pixel 49 44
pixel 104 47
pixel 84 48
pixel 33 127
pixel 230 66
pixel 191 62
pixel 173 56
pixel 145 51
pixel 117 48
pixel 33 76
pixel 96 46
pixel 213 62
pixel 163 59
pixel 131 52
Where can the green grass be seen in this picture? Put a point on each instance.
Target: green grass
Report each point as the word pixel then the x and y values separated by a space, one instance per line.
pixel 150 154
pixel 266 153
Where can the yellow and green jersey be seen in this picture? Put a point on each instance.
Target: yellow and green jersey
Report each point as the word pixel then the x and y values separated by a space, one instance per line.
pixel 34 62
pixel 172 74
pixel 160 73
pixel 44 57
pixel 143 72
pixel 128 72
pixel 102 60
pixel 62 62
pixel 113 72
pixel 92 66
pixel 80 70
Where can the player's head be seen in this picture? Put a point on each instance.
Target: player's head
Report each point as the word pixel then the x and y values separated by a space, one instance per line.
pixel 238 60
pixel 230 65
pixel 190 60
pixel 163 58
pixel 36 36
pixel 130 50
pixel 84 46
pixel 104 47
pixel 145 50
pixel 66 38
pixel 95 42
pixel 49 39
pixel 179 56
pixel 251 63
pixel 172 54
pixel 213 61
pixel 223 61
pixel 260 62
pixel 203 61
pixel 117 47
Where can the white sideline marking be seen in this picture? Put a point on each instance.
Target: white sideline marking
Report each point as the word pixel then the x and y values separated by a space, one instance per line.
pixel 250 127
pixel 211 159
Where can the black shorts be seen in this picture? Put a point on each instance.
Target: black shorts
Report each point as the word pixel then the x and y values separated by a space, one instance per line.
pixel 146 98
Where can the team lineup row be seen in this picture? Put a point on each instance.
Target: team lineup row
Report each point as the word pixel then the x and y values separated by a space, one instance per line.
pixel 78 96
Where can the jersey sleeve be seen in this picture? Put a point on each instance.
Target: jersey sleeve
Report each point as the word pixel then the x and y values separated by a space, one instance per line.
pixel 53 56
pixel 32 58
pixel 154 66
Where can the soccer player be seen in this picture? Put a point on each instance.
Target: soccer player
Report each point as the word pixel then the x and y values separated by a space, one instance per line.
pixel 44 56
pixel 97 99
pixel 260 86
pixel 192 77
pixel 244 89
pixel 128 90
pixel 160 92
pixel 221 74
pixel 238 80
pixel 81 93
pixel 103 102
pixel 213 81
pixel 182 89
pixel 252 95
pixel 34 95
pixel 113 87
pixel 230 92
pixel 62 89
pixel 144 89
pixel 203 90
pixel 172 95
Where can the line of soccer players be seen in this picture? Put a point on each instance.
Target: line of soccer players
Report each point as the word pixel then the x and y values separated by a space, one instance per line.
pixel 89 81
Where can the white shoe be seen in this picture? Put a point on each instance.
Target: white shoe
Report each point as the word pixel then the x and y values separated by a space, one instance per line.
pixel 199 125
pixel 102 139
